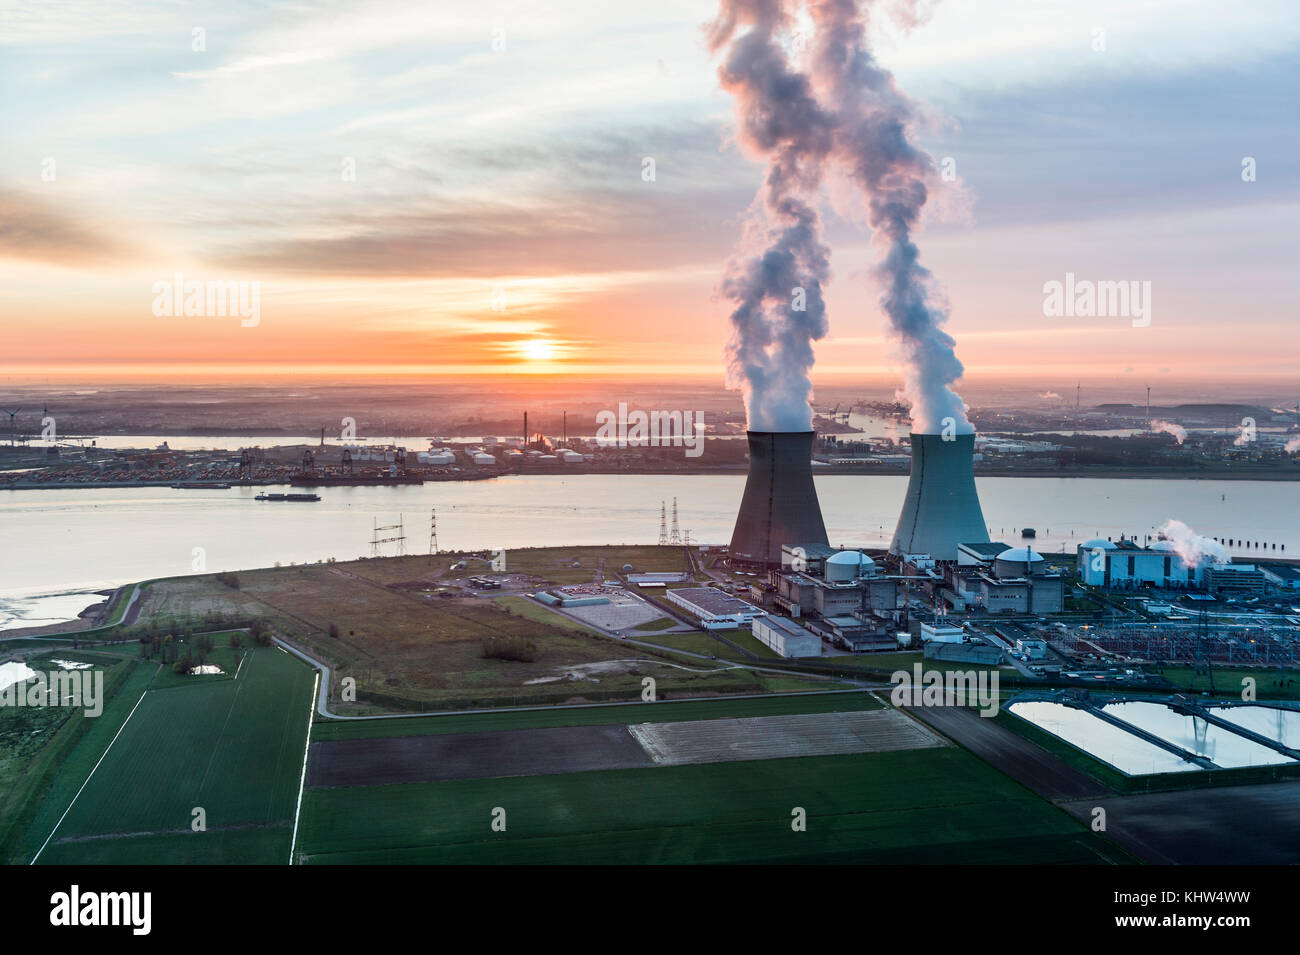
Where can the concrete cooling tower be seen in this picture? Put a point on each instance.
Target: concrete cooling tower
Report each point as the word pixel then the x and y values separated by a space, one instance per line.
pixel 780 502
pixel 941 509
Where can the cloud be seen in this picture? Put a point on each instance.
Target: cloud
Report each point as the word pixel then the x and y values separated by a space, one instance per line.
pixel 34 228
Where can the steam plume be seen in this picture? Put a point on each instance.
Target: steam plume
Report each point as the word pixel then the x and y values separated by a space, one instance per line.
pixel 871 144
pixel 1293 445
pixel 1190 546
pixel 770 353
pixel 1168 427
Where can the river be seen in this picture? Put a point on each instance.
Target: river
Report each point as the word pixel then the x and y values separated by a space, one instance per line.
pixel 61 542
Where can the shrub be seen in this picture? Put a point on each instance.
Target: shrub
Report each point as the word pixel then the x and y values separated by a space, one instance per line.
pixel 518 649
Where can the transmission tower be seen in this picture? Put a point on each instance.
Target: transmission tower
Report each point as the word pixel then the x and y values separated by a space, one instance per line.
pixel 433 532
pixel 398 538
pixel 663 523
pixel 675 537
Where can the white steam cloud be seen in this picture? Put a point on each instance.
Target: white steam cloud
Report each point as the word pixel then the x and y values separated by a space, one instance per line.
pixel 1191 547
pixel 1169 427
pixel 775 278
pixel 843 112
pixel 872 148
pixel 1293 445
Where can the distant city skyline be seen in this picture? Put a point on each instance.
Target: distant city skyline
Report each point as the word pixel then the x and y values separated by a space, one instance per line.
pixel 462 189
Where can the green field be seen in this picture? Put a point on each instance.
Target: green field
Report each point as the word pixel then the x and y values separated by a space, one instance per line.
pixel 598 715
pixel 231 746
pixel 45 783
pixel 651 626
pixel 1269 684
pixel 931 806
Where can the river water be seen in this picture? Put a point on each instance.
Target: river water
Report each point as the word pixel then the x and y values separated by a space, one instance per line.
pixel 58 542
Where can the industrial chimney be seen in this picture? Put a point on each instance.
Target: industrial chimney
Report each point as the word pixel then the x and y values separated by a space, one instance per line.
pixel 780 502
pixel 941 509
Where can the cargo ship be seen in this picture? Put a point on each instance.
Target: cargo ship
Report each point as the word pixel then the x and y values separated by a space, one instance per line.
pixel 201 486
pixel 287 497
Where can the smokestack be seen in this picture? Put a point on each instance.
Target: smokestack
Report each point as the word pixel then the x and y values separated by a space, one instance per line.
pixel 780 502
pixel 525 430
pixel 942 508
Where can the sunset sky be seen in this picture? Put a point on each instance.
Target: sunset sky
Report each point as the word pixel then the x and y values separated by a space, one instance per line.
pixel 498 219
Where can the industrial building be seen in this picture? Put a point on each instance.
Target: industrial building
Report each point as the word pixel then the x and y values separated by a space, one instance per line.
pixel 1234 579
pixel 941 508
pixel 714 609
pixel 1126 566
pixel 1281 576
pixel 1000 579
pixel 780 504
pixel 786 637
pixel 844 583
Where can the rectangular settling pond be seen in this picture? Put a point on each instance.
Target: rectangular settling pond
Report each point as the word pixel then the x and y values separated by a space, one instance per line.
pixel 1110 744
pixel 1272 721
pixel 1222 747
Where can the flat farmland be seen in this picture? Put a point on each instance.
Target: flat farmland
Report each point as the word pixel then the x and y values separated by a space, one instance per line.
pixel 232 747
pixel 593 716
pixel 934 806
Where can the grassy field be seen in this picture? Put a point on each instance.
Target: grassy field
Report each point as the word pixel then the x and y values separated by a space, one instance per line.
pixel 651 626
pixel 42 785
pixel 693 642
pixel 233 747
pixel 408 651
pixel 589 716
pixel 1269 684
pixel 553 564
pixel 934 806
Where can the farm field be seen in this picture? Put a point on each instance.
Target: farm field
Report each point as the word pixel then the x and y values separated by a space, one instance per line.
pixel 233 747
pixel 594 716
pixel 38 746
pixel 934 806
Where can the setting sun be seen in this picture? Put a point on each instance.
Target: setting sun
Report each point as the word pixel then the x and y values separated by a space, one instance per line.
pixel 537 349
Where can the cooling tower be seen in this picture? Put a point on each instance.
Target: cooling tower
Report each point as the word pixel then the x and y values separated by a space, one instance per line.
pixel 780 502
pixel 941 509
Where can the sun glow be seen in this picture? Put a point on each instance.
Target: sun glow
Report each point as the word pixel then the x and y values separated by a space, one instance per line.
pixel 537 349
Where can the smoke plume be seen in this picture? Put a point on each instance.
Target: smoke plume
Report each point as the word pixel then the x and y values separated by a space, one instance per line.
pixel 1192 548
pixel 775 278
pixel 1169 427
pixel 1293 445
pixel 871 146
